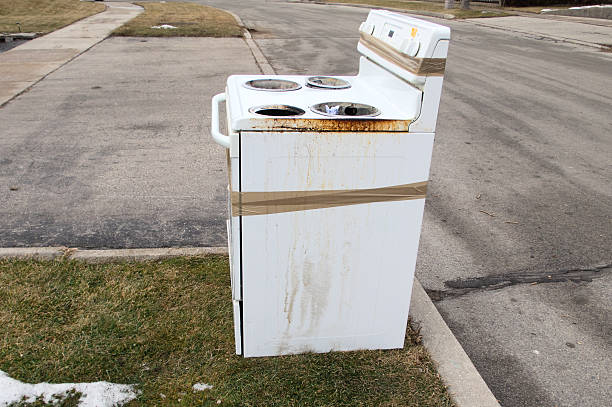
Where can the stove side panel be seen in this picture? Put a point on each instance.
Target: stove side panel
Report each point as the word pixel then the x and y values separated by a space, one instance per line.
pixel 330 278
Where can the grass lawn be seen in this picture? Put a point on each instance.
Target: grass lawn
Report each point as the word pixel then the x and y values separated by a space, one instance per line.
pixel 190 20
pixel 43 15
pixel 167 325
pixel 429 6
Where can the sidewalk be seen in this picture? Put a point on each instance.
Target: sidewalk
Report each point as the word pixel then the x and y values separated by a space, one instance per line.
pixel 25 65
pixel 575 30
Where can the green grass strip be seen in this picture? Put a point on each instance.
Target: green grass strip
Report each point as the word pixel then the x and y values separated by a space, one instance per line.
pixel 167 325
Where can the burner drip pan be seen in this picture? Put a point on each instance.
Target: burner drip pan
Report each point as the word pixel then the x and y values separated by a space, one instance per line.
pixel 277 110
pixel 327 82
pixel 272 85
pixel 345 109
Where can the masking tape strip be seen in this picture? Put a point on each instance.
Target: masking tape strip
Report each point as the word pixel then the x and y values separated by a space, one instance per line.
pixel 229 167
pixel 265 203
pixel 418 66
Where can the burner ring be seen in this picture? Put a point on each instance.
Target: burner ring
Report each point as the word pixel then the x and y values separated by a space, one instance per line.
pixel 327 82
pixel 277 110
pixel 272 85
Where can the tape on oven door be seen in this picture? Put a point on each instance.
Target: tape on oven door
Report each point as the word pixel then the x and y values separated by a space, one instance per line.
pixel 265 203
pixel 417 66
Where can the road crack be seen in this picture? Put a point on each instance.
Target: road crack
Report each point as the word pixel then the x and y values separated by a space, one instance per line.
pixel 462 286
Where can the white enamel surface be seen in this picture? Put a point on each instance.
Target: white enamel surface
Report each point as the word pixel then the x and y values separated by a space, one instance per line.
pixel 220 138
pixel 396 92
pixel 401 32
pixel 242 99
pixel 233 236
pixel 303 161
pixel 334 278
pixel 424 43
pixel 432 91
pixel 237 327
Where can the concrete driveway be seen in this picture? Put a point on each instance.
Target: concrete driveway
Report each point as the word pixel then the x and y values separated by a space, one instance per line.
pixel 516 241
pixel 113 150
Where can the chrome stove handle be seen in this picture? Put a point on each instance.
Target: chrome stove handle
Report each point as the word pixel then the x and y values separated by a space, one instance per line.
pixel 219 137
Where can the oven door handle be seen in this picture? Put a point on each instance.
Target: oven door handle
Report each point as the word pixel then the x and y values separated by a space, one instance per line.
pixel 219 137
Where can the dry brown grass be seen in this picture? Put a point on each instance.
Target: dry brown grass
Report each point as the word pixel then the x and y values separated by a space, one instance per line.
pixel 475 12
pixel 537 9
pixel 166 325
pixel 190 20
pixel 43 15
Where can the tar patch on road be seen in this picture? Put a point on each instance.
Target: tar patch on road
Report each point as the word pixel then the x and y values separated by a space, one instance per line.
pixel 462 286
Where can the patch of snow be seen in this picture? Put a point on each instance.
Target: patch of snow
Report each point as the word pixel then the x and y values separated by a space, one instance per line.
pixel 164 26
pixel 547 9
pixel 97 394
pixel 202 387
pixel 596 6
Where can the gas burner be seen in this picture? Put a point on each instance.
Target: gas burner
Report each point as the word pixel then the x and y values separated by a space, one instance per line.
pixel 272 85
pixel 327 82
pixel 277 110
pixel 345 109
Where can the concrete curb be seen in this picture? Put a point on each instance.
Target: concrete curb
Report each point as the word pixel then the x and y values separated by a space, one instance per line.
pixel 19 36
pixel 106 255
pixel 37 253
pixel 465 384
pixel 260 59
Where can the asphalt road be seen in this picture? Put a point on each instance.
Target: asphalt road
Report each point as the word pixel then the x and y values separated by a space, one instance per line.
pixel 5 46
pixel 520 187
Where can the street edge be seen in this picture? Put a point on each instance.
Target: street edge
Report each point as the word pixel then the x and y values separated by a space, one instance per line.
pixel 464 383
pixel 260 59
pixel 107 255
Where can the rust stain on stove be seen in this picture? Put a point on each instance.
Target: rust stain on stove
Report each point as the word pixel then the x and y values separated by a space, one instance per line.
pixel 318 125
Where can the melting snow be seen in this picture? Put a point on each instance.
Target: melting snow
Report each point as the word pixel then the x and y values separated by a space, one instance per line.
pixel 97 394
pixel 202 387
pixel 164 26
pixel 546 10
pixel 583 7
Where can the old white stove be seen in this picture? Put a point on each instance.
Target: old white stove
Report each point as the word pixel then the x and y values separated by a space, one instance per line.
pixel 327 187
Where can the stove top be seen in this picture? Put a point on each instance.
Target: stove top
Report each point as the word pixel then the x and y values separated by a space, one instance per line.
pixel 319 103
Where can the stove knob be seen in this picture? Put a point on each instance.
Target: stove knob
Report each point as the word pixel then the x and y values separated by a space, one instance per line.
pixel 367 28
pixel 410 47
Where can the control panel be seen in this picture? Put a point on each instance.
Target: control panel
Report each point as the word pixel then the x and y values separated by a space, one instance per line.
pixel 411 36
